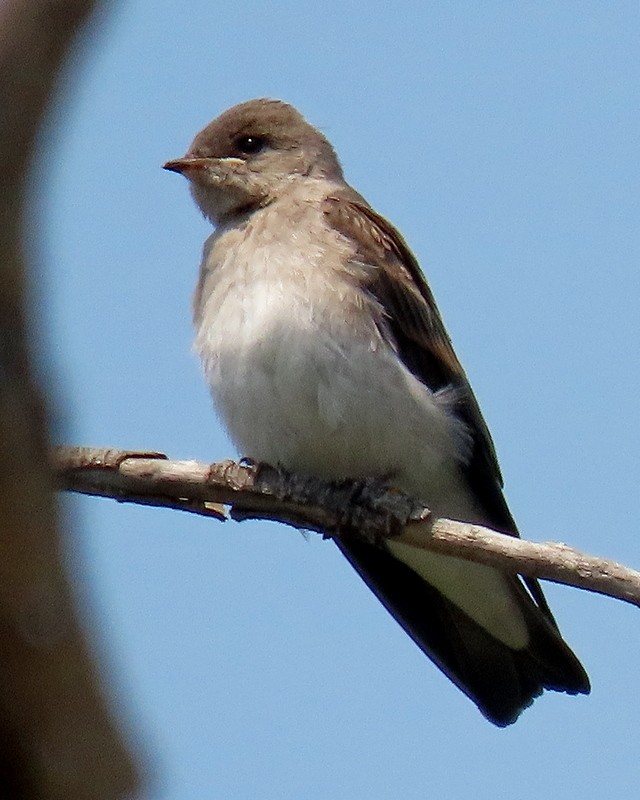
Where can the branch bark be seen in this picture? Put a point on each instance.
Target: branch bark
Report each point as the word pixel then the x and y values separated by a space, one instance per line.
pixel 365 509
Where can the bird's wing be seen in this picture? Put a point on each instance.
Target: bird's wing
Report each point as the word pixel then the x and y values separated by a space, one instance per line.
pixel 413 326
pixel 500 679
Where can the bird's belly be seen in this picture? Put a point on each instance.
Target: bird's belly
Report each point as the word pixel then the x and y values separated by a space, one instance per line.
pixel 307 389
pixel 301 389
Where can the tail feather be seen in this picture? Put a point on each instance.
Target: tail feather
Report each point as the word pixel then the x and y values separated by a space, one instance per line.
pixel 501 681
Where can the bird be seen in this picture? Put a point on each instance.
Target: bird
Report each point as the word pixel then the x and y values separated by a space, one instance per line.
pixel 326 356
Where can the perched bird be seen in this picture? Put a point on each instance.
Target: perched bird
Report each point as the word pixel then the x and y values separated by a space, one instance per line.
pixel 326 355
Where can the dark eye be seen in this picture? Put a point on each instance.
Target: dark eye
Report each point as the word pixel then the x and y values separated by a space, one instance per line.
pixel 250 145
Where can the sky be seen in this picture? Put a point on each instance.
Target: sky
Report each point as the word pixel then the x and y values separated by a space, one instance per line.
pixel 247 660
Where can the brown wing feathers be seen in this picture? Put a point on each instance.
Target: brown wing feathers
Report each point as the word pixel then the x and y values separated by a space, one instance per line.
pixel 501 681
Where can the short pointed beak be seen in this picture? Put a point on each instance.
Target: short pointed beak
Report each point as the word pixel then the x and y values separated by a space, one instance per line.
pixel 185 165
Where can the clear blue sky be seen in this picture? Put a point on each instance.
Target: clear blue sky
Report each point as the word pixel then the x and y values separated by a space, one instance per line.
pixel 502 139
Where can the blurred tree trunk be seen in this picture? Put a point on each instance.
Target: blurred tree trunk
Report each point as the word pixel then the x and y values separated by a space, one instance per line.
pixel 57 739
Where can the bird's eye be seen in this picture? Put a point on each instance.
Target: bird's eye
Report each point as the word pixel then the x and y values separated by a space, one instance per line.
pixel 250 145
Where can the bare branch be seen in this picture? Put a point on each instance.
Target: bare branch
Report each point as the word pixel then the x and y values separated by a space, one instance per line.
pixel 365 509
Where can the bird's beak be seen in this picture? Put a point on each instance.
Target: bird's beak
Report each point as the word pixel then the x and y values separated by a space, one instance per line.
pixel 187 165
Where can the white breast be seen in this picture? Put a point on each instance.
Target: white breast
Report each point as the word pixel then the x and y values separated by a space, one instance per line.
pixel 301 378
pixel 299 373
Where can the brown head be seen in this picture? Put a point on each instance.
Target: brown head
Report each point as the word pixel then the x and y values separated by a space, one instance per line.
pixel 248 156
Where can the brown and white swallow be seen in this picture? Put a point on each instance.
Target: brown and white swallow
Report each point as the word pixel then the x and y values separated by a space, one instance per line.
pixel 326 354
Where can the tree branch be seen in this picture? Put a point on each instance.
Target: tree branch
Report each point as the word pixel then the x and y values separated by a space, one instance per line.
pixel 365 509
